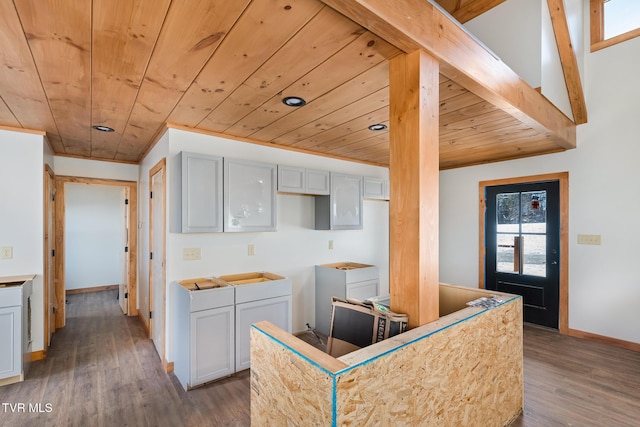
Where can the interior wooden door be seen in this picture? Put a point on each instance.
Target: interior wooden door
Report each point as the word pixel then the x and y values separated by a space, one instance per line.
pixel 156 260
pixel 50 301
pixel 123 287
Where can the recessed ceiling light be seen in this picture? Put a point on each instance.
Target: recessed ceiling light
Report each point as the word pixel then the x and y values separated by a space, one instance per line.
pixel 378 126
pixel 103 128
pixel 294 101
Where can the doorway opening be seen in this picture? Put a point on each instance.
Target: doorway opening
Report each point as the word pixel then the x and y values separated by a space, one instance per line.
pixel 524 244
pixel 88 237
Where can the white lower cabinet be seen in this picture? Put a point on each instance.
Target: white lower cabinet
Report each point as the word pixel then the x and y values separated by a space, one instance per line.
pixel 203 334
pixel 274 310
pixel 15 331
pixel 212 326
pixel 212 337
pixel 342 280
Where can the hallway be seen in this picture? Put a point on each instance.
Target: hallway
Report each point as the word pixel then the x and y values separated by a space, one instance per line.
pixel 101 370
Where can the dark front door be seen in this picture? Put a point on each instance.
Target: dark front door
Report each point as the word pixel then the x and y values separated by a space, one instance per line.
pixel 522 242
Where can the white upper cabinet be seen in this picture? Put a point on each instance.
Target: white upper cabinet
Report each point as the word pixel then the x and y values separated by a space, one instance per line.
pixel 318 182
pixel 249 196
pixel 201 193
pixel 342 209
pixel 376 188
pixel 293 179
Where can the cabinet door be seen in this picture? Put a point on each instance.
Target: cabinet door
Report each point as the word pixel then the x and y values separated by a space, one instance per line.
pixel 201 193
pixel 275 310
pixel 317 182
pixel 212 342
pixel 376 188
pixel 362 290
pixel 249 196
pixel 291 179
pixel 346 202
pixel 10 342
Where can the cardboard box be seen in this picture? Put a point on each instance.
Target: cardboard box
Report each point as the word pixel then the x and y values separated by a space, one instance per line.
pixel 357 324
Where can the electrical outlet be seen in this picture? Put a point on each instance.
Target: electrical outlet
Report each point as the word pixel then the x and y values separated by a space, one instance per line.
pixel 191 254
pixel 330 244
pixel 251 250
pixel 589 239
pixel 6 252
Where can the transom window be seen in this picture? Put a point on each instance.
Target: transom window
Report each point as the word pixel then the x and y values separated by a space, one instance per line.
pixel 613 21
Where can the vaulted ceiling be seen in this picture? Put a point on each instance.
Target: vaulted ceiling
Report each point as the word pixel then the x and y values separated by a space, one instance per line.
pixel 224 67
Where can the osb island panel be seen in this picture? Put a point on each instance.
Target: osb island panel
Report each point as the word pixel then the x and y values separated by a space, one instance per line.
pixel 292 383
pixel 467 374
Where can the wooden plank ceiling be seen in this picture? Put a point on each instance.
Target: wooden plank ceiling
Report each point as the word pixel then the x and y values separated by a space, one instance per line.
pixel 222 66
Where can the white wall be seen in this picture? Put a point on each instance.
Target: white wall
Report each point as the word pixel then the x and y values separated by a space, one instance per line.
pixel 71 166
pixel 604 286
pixel 292 251
pixel 512 31
pixel 22 215
pixel 94 235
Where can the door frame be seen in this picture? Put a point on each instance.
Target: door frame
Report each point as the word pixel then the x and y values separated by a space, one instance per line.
pixel 49 257
pixel 563 179
pixel 131 188
pixel 160 166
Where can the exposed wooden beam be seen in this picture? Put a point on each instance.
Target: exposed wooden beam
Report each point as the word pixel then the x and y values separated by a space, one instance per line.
pixel 418 25
pixel 414 171
pixel 465 11
pixel 568 61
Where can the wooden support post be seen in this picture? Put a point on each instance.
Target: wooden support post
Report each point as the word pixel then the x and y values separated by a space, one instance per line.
pixel 413 208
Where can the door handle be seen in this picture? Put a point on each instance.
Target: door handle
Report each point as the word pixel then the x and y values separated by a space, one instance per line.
pixel 516 254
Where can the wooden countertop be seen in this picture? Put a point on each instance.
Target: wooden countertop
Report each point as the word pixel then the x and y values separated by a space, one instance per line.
pixel 11 279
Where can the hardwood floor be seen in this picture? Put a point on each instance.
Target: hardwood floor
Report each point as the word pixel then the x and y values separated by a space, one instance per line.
pixel 101 370
pixel 574 382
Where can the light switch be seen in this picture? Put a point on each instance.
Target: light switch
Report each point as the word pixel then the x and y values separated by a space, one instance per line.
pixel 330 244
pixel 589 239
pixel 191 254
pixel 251 250
pixel 6 252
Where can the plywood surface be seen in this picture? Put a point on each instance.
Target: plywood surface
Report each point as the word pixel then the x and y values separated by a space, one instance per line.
pixel 470 374
pixel 285 388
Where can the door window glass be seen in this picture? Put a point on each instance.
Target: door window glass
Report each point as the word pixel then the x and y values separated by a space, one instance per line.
pixel 521 240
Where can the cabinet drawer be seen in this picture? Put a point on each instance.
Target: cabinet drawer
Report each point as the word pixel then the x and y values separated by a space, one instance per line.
pixel 11 296
pixel 211 298
pixel 361 274
pixel 258 291
pixel 363 290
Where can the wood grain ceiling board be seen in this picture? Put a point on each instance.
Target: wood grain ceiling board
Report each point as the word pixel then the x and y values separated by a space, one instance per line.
pixel 318 39
pixel 359 87
pixel 224 66
pixel 20 86
pixel 191 32
pixel 59 37
pixel 342 115
pixel 6 116
pixel 365 52
pixel 366 143
pixel 340 135
pixel 466 10
pixel 514 149
pixel 124 35
pixel 261 32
